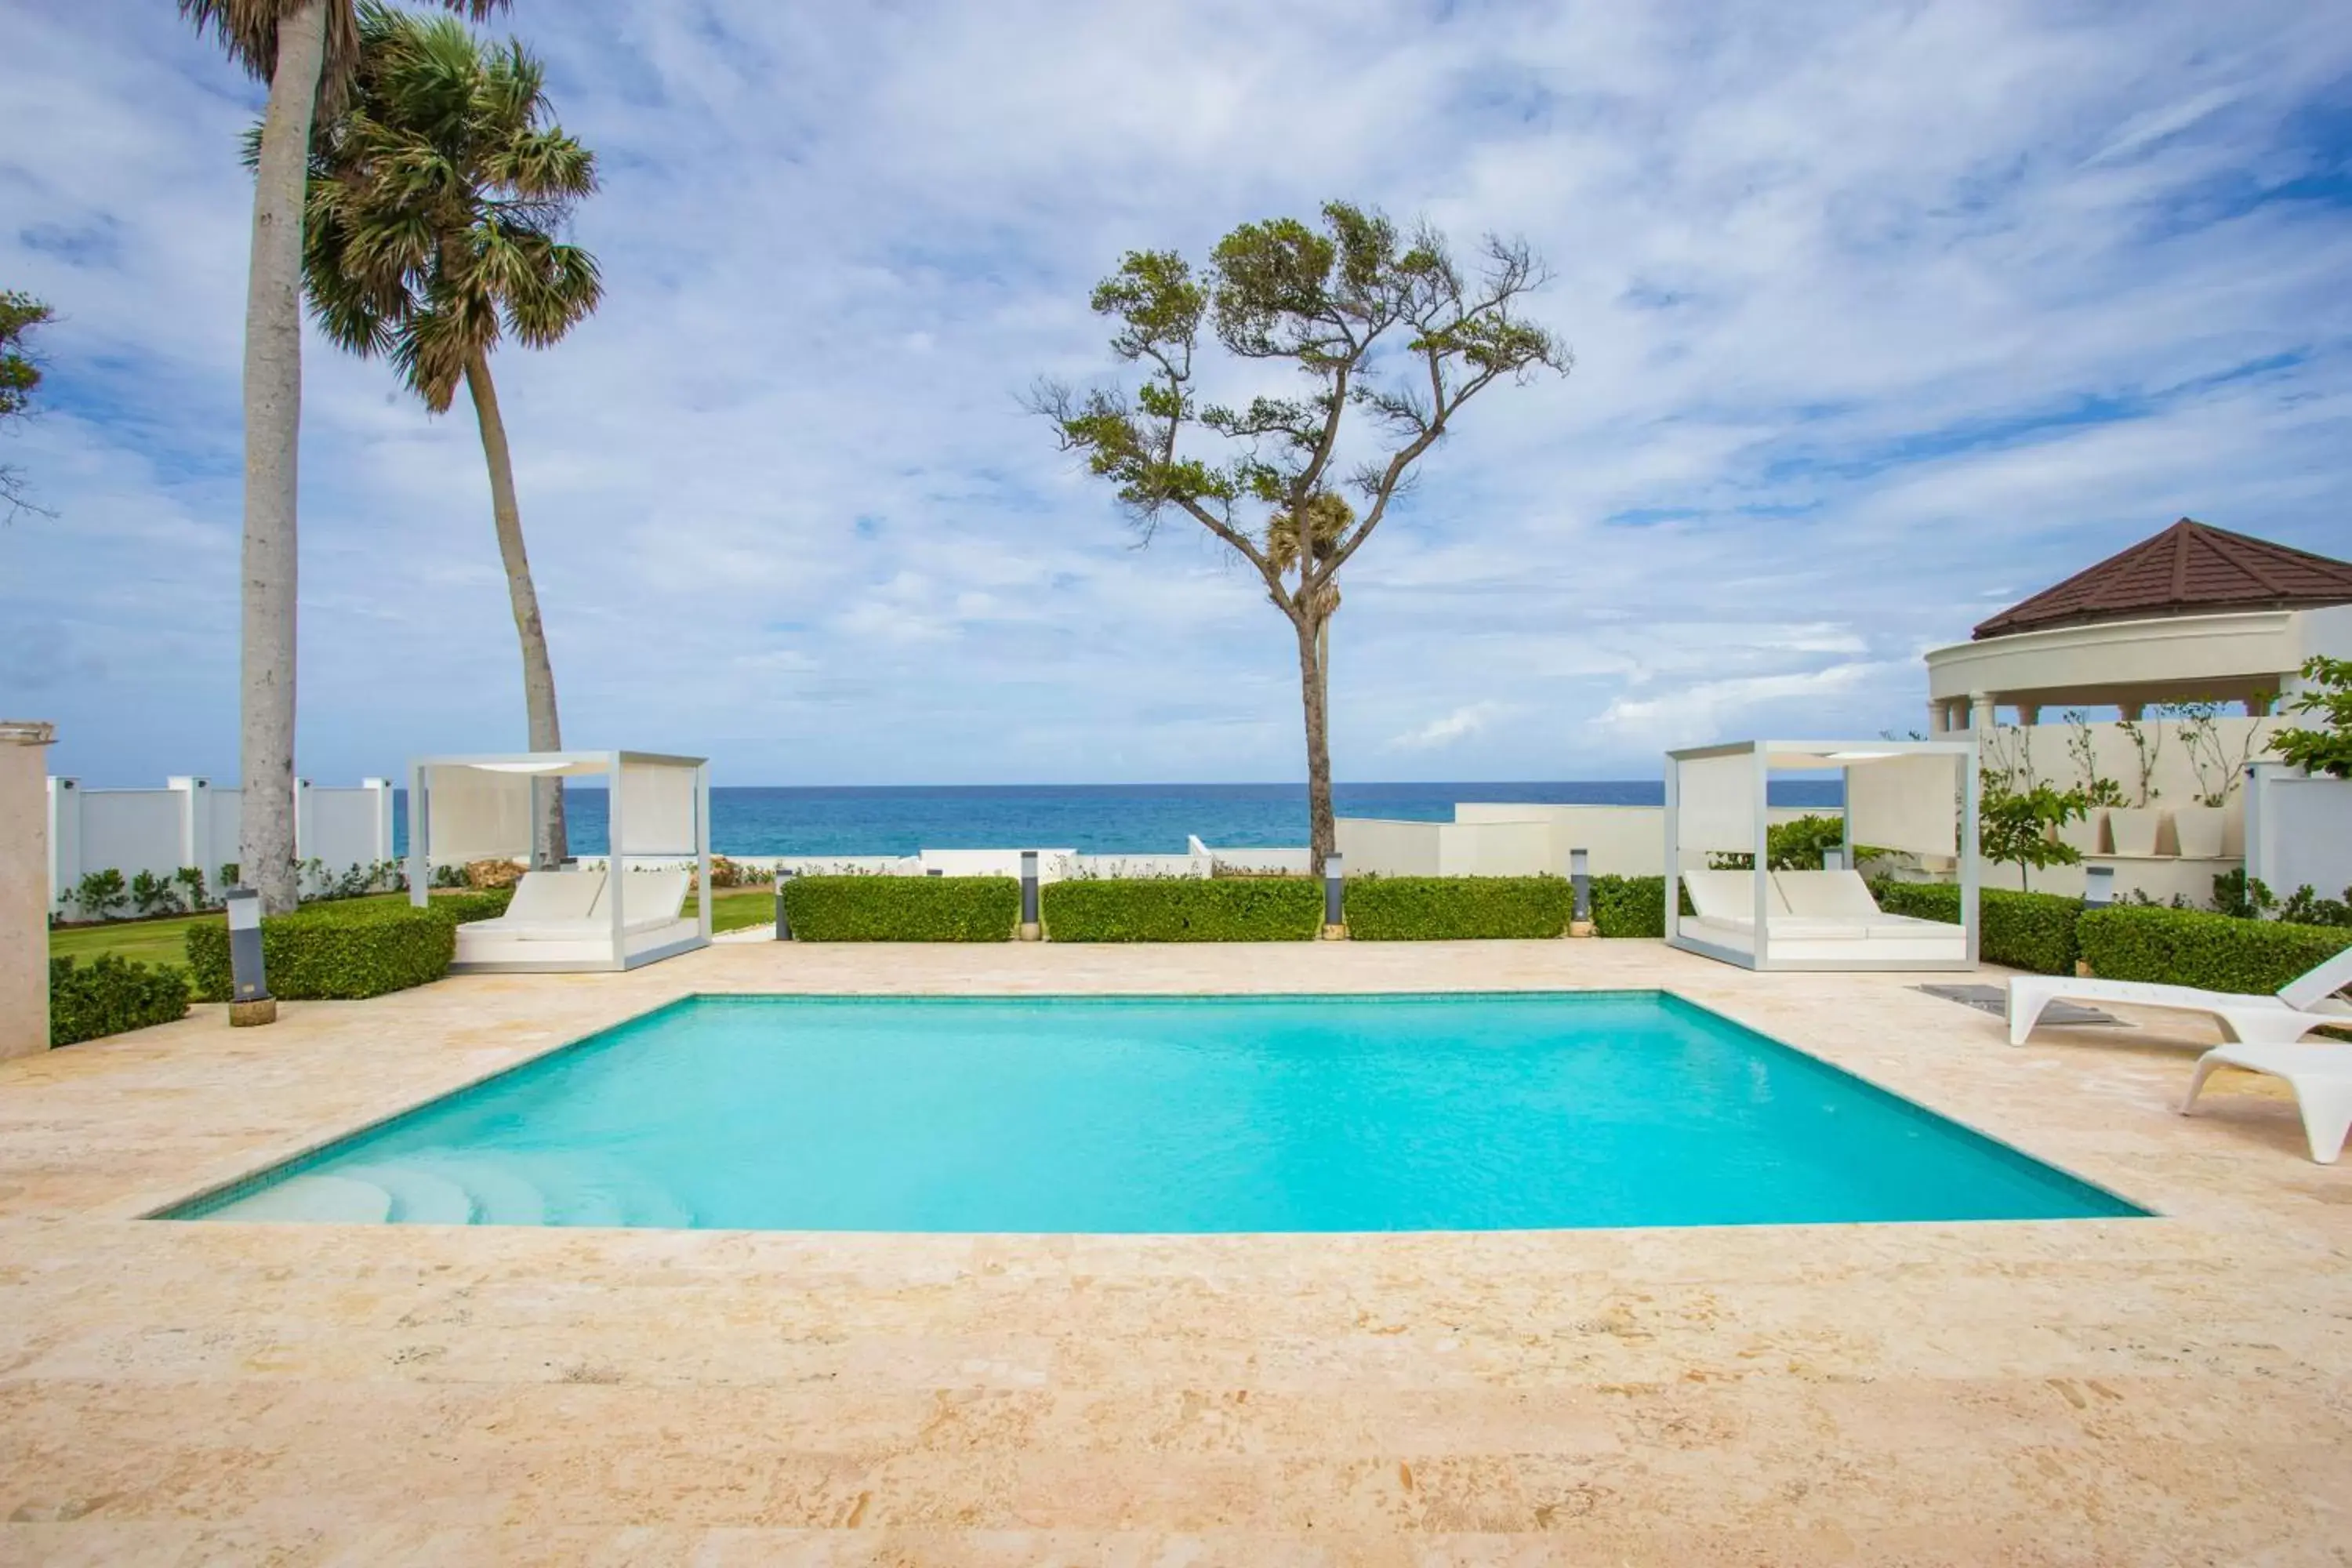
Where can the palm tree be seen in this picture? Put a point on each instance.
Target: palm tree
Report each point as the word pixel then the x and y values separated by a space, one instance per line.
pixel 305 49
pixel 436 197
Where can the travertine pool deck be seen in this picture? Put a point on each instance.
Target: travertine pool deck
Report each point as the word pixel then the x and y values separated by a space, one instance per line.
pixel 2158 1391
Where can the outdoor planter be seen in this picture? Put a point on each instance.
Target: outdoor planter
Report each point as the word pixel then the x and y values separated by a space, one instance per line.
pixel 2198 830
pixel 2135 828
pixel 2088 836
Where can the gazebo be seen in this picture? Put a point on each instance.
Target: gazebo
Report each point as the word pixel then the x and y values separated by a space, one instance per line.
pixel 617 916
pixel 1917 796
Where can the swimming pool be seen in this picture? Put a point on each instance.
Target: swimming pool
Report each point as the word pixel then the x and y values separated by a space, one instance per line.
pixel 1168 1114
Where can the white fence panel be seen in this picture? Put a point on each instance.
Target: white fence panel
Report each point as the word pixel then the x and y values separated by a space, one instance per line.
pixel 189 823
pixel 2298 830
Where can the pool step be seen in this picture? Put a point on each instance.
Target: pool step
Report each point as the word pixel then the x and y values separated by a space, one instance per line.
pixel 323 1200
pixel 501 1194
pixel 418 1195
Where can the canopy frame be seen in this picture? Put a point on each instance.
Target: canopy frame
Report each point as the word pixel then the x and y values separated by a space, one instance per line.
pixel 541 765
pixel 1847 757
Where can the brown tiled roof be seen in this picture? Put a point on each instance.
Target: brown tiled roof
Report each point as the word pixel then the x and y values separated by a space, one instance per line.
pixel 2188 570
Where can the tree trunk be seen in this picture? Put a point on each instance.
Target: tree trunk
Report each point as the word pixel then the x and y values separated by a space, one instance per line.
pixel 273 418
pixel 1321 836
pixel 549 846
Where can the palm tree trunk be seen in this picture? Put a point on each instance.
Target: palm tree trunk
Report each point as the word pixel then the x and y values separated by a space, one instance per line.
pixel 549 840
pixel 273 417
pixel 1321 836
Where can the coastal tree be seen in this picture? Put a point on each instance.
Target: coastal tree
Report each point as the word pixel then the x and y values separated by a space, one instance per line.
pixel 306 51
pixel 20 374
pixel 1381 326
pixel 438 197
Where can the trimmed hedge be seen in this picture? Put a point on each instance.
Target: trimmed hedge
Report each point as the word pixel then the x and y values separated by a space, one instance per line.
pixel 902 908
pixel 113 995
pixel 1455 908
pixel 1632 906
pixel 1215 909
pixel 334 952
pixel 2191 947
pixel 2034 932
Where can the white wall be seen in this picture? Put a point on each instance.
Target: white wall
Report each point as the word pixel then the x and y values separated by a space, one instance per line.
pixel 189 823
pixel 1504 838
pixel 2299 831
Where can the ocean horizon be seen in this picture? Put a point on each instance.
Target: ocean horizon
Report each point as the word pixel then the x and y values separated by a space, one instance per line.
pixel 1092 819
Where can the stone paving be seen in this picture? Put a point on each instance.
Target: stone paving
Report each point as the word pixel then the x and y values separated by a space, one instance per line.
pixel 2156 1391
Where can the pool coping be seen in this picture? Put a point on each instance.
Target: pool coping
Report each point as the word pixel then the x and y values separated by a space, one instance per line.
pixel 274 1166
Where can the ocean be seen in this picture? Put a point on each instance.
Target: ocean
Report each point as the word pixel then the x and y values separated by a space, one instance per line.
pixel 1093 819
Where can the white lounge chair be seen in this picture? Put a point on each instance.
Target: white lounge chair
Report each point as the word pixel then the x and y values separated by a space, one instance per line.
pixel 2321 1076
pixel 564 919
pixel 1825 916
pixel 547 906
pixel 2302 1005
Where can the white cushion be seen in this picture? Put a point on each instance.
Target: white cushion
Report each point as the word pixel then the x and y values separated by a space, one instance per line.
pixel 1835 895
pixel 544 896
pixel 651 899
pixel 1729 897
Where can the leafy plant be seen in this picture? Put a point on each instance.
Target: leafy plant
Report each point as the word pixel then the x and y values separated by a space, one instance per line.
pixel 449 877
pixel 1183 909
pixel 2147 745
pixel 154 895
pixel 20 374
pixel 100 893
pixel 227 876
pixel 2246 898
pixel 190 881
pixel 1457 909
pixel 2327 747
pixel 110 995
pixel 2081 746
pixel 2018 827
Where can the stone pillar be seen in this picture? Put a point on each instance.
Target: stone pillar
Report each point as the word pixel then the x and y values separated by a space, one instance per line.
pixel 1937 718
pixel 24 887
pixel 1980 711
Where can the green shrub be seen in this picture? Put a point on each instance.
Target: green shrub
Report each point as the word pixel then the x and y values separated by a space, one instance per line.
pixel 1631 906
pixel 1452 909
pixel 2033 932
pixel 1184 910
pixel 902 908
pixel 110 996
pixel 335 952
pixel 2191 947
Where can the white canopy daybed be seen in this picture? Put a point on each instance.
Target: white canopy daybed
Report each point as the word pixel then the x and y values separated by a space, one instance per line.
pixel 1918 796
pixel 462 809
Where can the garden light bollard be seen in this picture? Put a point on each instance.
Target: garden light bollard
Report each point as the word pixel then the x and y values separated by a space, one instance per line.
pixel 1030 930
pixel 1580 877
pixel 1335 898
pixel 2098 892
pixel 783 926
pixel 250 1001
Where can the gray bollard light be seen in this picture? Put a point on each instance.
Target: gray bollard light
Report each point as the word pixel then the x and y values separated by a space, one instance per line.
pixel 1580 877
pixel 784 927
pixel 2098 886
pixel 249 999
pixel 1335 893
pixel 1030 930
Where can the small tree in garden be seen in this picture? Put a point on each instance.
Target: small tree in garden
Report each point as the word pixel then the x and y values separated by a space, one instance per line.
pixel 2327 749
pixel 2018 827
pixel 1387 327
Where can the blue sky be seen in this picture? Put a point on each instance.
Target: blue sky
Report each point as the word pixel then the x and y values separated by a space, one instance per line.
pixel 1884 315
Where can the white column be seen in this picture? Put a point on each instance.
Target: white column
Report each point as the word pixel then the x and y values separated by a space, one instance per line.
pixel 379 818
pixel 65 840
pixel 25 871
pixel 196 822
pixel 1980 711
pixel 1939 717
pixel 303 837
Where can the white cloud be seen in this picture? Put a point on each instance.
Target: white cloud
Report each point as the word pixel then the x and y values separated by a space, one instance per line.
pixel 1464 722
pixel 1869 343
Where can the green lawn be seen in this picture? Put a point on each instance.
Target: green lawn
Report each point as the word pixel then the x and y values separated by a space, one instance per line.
pixel 736 908
pixel 150 942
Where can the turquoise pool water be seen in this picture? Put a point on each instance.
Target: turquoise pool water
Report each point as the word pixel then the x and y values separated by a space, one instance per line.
pixel 1193 1114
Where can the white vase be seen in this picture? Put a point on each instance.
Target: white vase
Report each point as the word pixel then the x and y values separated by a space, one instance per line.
pixel 2088 836
pixel 2197 829
pixel 2135 828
